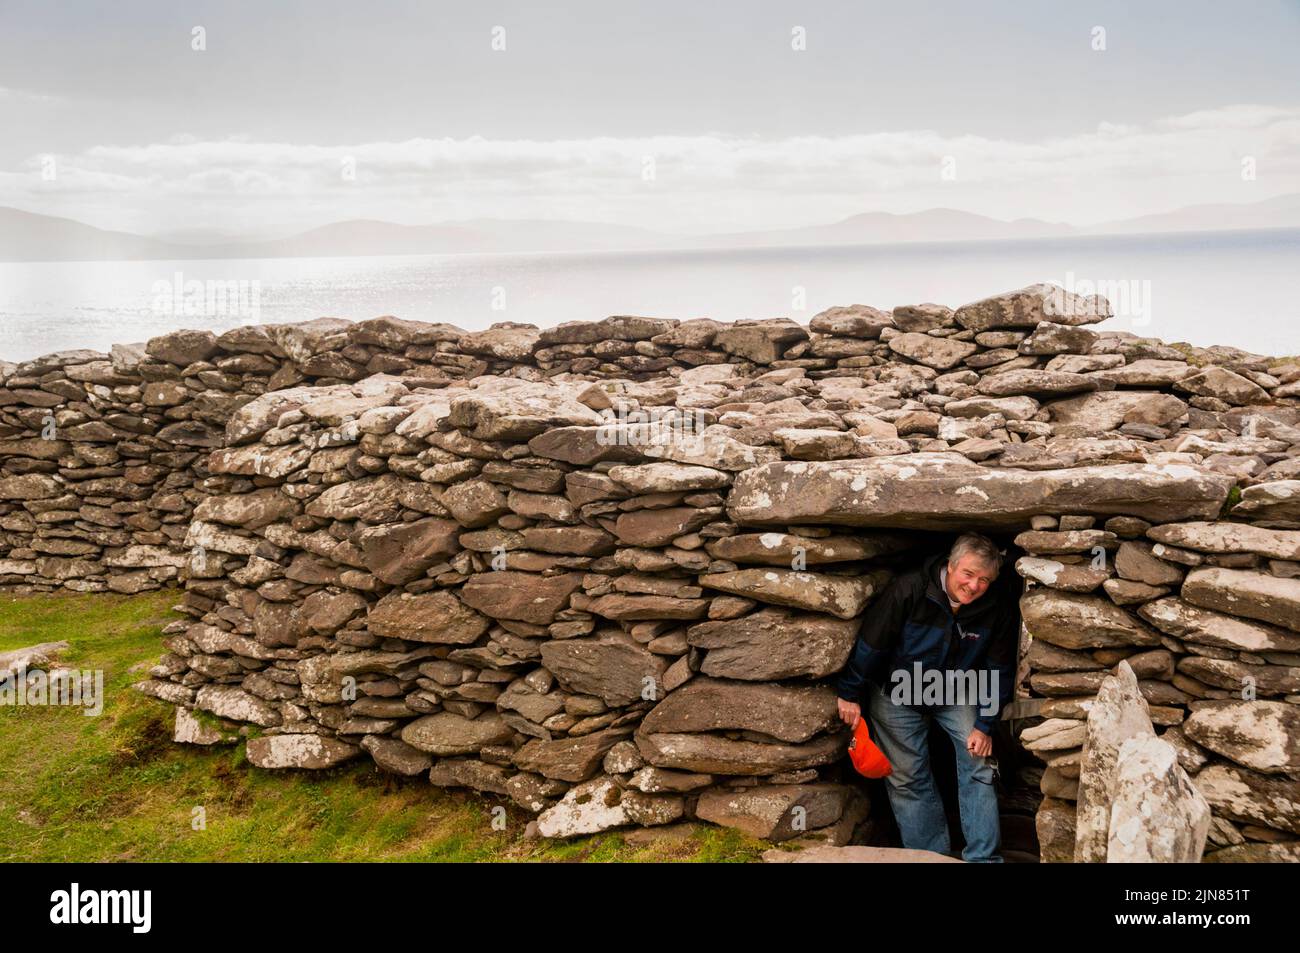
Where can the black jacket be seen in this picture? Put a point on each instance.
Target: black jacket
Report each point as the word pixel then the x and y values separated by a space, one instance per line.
pixel 911 622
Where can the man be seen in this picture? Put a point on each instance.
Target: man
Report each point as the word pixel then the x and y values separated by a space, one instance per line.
pixel 947 625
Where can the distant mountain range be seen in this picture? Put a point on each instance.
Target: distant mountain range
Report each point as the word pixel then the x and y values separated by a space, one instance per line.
pixel 26 236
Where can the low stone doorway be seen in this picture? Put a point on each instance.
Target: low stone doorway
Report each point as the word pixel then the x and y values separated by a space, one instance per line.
pixel 1018 771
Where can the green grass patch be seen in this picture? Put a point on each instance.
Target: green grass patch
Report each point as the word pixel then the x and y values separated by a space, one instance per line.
pixel 115 787
pixel 1234 497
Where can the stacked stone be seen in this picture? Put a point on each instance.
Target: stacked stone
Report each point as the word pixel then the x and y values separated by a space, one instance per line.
pixel 101 455
pixel 496 584
pixel 97 474
pixel 1207 616
pixel 607 569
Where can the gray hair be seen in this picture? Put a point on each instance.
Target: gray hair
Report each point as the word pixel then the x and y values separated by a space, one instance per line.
pixel 980 546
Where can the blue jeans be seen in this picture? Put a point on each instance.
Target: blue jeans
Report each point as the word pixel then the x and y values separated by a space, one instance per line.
pixel 901 733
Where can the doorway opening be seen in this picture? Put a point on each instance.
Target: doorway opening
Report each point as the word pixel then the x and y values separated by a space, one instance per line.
pixel 1018 772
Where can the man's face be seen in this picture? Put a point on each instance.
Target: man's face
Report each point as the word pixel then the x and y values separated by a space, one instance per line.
pixel 969 577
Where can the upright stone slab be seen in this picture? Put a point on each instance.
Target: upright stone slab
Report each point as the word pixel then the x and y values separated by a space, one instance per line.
pixel 1156 815
pixel 1119 713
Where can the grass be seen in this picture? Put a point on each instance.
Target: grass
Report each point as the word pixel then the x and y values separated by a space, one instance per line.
pixel 114 787
pixel 1233 498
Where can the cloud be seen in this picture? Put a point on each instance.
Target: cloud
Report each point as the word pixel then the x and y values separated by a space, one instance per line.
pixel 9 95
pixel 682 182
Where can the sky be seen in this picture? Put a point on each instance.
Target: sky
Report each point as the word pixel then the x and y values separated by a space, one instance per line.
pixel 682 117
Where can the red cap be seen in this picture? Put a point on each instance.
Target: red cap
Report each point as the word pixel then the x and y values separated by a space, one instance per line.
pixel 869 760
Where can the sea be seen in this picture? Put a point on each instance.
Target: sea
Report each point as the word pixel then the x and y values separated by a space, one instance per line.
pixel 1240 288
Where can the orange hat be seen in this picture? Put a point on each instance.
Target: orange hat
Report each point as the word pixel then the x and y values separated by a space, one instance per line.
pixel 869 760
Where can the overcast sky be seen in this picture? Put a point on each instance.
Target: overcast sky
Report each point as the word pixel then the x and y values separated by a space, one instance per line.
pixel 676 115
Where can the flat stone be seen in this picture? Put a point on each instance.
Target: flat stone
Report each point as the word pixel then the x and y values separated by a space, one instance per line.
pixel 660 527
pixel 32 657
pixel 1250 797
pixel 668 478
pixel 853 321
pixel 232 702
pixel 307 752
pixel 524 596
pixel 630 606
pixel 760 342
pixel 1056 575
pixel 1275 500
pixel 30 486
pixel 815 443
pixel 274 462
pixel 182 347
pixel 774 812
pixel 1025 381
pixel 189 730
pixel 400 553
pixel 569 759
pixel 396 756
pixel 1135 561
pixel 841 596
pixel 1243 592
pixel 1075 621
pixel 785 713
pixel 712 447
pixel 446 733
pixel 713 754
pixel 1101 412
pixel 519 412
pixel 1147 372
pixel 1230 538
pixel 774 644
pixel 1261 735
pixel 249 510
pixel 475 503
pixel 1194 624
pixel 1012 408
pixel 1223 384
pixel 1027 307
pixel 587 808
pixel 612 666
pixel 787 549
pixel 1049 338
pixel 946 491
pixel 939 353
pixel 923 317
pixel 1054 734
pixel 584 446
pixel 1235 676
pixel 437 617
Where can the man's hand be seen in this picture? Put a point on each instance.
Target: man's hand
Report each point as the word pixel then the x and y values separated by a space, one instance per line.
pixel 978 743
pixel 850 712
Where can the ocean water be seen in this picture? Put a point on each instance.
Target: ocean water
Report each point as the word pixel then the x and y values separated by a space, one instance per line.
pixel 1239 288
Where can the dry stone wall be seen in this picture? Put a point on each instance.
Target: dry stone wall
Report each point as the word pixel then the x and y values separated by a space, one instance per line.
pixel 607 570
